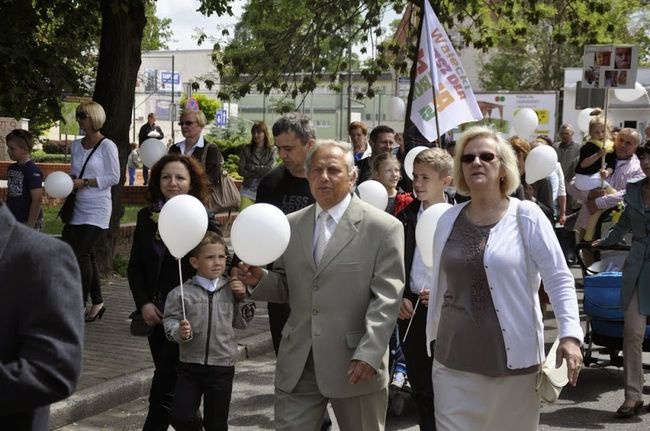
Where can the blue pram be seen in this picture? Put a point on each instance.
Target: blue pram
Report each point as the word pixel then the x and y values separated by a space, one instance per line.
pixel 602 307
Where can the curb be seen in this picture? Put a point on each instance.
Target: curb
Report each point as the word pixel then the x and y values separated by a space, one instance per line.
pixel 104 396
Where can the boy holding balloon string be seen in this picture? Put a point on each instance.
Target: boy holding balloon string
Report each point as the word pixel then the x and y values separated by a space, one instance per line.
pixel 214 305
pixel 432 170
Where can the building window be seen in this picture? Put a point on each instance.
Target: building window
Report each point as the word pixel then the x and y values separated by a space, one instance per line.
pixel 323 123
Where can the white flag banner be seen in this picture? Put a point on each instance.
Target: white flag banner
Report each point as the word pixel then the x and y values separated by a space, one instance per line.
pixel 454 96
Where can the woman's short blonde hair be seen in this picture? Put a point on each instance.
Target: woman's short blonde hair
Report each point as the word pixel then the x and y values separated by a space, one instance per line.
pixel 504 153
pixel 199 116
pixel 93 110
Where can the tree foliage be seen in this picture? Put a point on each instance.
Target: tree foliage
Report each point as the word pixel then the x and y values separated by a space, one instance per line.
pixel 292 44
pixel 44 48
pixel 157 32
pixel 553 42
pixel 207 104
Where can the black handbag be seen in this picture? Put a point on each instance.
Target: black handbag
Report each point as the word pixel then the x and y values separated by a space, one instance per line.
pixel 67 209
pixel 139 327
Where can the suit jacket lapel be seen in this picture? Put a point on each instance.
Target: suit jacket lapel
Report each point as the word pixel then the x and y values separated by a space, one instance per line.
pixel 346 229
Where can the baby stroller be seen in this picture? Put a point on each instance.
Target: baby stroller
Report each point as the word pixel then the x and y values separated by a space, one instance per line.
pixel 603 310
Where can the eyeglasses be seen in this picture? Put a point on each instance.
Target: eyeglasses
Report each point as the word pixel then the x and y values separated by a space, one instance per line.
pixel 485 157
pixel 81 116
pixel 186 123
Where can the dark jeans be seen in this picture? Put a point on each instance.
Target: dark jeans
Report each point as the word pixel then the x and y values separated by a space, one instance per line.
pixel 161 395
pixel 214 383
pixel 82 239
pixel 278 315
pixel 419 367
pixel 145 175
pixel 397 362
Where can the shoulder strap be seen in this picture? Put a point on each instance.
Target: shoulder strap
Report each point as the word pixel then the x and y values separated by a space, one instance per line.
pixel 83 168
pixel 205 154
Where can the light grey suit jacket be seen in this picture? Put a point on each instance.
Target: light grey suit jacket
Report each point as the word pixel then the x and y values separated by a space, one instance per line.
pixel 345 308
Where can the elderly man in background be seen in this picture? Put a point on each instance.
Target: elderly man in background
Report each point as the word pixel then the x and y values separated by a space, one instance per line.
pixel 597 200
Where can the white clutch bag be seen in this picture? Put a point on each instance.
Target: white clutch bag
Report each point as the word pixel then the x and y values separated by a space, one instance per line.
pixel 551 380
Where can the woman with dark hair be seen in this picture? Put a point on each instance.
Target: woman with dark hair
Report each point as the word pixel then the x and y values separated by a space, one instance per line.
pixel 153 273
pixel 635 293
pixel 255 160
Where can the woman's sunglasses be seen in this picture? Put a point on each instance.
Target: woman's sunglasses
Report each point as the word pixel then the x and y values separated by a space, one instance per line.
pixel 485 157
pixel 186 123
pixel 81 115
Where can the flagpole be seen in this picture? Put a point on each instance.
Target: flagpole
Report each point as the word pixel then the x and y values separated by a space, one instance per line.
pixel 434 80
pixel 435 110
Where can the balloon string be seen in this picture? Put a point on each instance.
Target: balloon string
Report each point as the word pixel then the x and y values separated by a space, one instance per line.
pixel 415 309
pixel 180 277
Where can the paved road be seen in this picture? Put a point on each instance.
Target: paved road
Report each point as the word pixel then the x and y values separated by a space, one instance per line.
pixel 587 407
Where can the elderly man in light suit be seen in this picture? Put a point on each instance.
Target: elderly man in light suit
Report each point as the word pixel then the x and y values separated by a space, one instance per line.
pixel 343 276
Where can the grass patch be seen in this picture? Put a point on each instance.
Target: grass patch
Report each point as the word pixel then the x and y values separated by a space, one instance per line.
pixel 53 225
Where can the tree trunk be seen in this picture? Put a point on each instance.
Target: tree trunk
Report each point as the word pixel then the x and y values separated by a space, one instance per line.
pixel 119 60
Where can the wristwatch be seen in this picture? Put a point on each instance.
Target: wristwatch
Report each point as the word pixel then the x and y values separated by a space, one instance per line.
pixel 86 182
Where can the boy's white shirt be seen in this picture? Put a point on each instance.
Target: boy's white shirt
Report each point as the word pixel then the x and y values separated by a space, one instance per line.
pixel 208 284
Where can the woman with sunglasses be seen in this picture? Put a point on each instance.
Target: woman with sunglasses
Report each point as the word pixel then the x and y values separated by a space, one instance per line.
pixel 192 123
pixel 483 312
pixel 93 204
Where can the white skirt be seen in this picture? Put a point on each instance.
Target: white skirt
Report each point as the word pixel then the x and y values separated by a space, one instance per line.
pixel 468 401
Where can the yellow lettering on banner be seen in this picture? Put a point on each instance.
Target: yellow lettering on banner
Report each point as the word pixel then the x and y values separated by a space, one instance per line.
pixel 444 98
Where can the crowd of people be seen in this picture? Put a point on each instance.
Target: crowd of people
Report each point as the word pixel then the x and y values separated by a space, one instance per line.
pixel 354 307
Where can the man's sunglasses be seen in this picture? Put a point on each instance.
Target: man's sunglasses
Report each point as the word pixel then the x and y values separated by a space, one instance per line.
pixel 81 116
pixel 186 123
pixel 485 157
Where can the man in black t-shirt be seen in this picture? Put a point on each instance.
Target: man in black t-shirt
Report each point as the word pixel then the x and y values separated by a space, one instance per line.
pixel 287 188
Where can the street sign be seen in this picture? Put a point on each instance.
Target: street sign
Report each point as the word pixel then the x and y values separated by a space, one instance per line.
pixel 221 118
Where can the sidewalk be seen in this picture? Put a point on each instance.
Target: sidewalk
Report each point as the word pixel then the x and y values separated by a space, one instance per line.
pixel 117 367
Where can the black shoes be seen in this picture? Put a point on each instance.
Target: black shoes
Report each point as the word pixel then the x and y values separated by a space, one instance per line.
pixel 97 315
pixel 627 412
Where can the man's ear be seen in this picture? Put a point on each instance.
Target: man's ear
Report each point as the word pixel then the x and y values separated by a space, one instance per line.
pixel 310 143
pixel 194 261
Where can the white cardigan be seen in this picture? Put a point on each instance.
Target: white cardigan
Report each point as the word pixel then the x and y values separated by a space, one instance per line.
pixel 514 292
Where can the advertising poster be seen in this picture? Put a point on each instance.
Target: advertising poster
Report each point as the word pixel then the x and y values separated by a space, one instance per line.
pixel 499 110
pixel 610 66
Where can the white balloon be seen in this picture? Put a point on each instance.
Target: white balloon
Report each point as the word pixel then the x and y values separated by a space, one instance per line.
pixel 583 120
pixel 151 151
pixel 374 193
pixel 410 157
pixel 425 230
pixel 540 163
pixel 260 234
pixel 58 184
pixel 525 122
pixel 396 108
pixel 182 224
pixel 630 94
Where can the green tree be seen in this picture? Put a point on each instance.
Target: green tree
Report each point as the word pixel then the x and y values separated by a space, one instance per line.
pixel 537 61
pixel 207 104
pixel 157 32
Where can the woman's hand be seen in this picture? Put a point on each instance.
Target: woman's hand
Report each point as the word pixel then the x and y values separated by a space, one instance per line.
pixel 569 349
pixel 151 314
pixel 405 309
